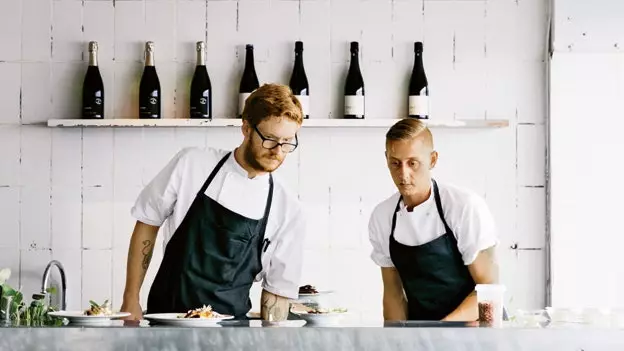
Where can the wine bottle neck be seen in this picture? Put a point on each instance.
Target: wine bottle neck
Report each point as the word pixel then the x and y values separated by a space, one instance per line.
pixel 249 59
pixel 149 58
pixel 298 60
pixel 355 61
pixel 201 58
pixel 418 61
pixel 93 61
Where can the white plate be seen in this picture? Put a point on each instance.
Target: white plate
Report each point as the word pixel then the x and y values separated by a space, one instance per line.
pixel 325 292
pixel 176 320
pixel 321 319
pixel 78 317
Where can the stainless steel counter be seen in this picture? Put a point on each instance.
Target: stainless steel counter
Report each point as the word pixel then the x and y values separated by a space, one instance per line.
pixel 239 336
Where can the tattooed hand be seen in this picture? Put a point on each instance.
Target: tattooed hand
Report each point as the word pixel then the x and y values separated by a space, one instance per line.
pixel 274 308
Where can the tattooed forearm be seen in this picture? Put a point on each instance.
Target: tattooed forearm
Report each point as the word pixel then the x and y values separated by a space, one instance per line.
pixel 274 308
pixel 147 253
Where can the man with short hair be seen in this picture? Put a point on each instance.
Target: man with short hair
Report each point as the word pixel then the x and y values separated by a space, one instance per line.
pixel 433 241
pixel 228 222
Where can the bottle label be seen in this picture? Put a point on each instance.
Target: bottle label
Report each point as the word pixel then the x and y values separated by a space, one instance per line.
pixel 200 106
pixel 241 102
pixel 418 105
pixel 151 109
pixel 305 104
pixel 354 105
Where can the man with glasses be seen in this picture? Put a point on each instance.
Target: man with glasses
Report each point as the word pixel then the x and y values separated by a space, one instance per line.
pixel 227 221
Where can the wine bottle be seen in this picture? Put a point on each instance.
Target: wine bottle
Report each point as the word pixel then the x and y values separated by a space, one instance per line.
pixel 354 87
pixel 93 87
pixel 249 80
pixel 201 89
pixel 299 81
pixel 418 88
pixel 149 89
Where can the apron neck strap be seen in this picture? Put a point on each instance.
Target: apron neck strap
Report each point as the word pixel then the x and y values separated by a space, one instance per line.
pixel 214 173
pixel 436 195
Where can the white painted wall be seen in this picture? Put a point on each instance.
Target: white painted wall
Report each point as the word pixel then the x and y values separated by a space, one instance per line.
pixel 66 194
pixel 585 147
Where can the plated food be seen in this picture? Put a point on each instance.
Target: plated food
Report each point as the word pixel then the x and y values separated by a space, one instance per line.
pixel 95 315
pixel 204 312
pixel 326 310
pixel 321 316
pixel 308 289
pixel 98 310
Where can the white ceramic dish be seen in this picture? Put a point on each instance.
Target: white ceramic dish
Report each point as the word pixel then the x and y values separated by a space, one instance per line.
pixel 531 319
pixel 78 317
pixel 322 292
pixel 322 319
pixel 565 315
pixel 175 319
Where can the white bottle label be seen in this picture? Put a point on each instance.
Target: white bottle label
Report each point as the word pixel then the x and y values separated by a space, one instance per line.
pixel 418 105
pixel 241 102
pixel 354 105
pixel 305 104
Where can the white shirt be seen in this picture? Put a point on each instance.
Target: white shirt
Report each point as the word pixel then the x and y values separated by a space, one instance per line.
pixel 465 212
pixel 168 197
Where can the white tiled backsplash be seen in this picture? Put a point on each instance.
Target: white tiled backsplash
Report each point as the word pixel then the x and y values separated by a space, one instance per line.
pixel 66 193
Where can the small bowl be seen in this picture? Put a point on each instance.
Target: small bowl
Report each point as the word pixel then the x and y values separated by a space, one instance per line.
pixel 532 319
pixel 564 315
pixel 329 319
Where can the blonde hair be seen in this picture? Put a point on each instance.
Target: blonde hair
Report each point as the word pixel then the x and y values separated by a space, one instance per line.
pixel 272 100
pixel 407 129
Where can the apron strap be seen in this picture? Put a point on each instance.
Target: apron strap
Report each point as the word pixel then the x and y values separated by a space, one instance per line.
pixel 213 173
pixel 267 209
pixel 396 209
pixel 436 194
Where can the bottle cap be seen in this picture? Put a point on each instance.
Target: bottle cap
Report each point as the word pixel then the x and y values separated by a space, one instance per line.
pixel 418 46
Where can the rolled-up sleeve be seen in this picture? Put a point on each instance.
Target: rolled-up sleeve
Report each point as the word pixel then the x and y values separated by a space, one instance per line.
pixel 156 201
pixel 283 275
pixel 379 240
pixel 476 230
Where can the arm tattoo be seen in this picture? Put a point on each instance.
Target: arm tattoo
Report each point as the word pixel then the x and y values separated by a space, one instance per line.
pixel 147 253
pixel 274 308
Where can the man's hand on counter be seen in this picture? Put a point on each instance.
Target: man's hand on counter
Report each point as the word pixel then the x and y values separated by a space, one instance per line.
pixel 274 308
pixel 134 307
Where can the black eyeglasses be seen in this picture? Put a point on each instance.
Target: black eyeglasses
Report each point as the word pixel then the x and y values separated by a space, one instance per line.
pixel 272 144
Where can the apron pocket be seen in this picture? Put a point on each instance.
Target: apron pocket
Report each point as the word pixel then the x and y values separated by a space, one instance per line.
pixel 221 262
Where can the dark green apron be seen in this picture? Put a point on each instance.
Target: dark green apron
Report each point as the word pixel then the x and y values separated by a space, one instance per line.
pixel 434 276
pixel 212 258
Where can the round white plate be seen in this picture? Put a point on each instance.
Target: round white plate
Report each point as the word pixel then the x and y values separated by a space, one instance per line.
pixel 321 319
pixel 78 317
pixel 324 292
pixel 177 320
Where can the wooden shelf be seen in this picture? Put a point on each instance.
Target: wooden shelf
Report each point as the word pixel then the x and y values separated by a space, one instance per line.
pixel 234 122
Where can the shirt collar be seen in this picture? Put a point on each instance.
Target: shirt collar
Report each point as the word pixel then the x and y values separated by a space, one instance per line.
pixel 238 169
pixel 425 203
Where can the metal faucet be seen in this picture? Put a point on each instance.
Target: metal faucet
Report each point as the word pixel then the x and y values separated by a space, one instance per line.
pixel 46 277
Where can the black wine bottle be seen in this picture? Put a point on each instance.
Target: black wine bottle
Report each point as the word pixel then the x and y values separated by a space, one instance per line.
pixel 354 87
pixel 418 100
pixel 93 87
pixel 201 89
pixel 299 81
pixel 149 89
pixel 249 80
